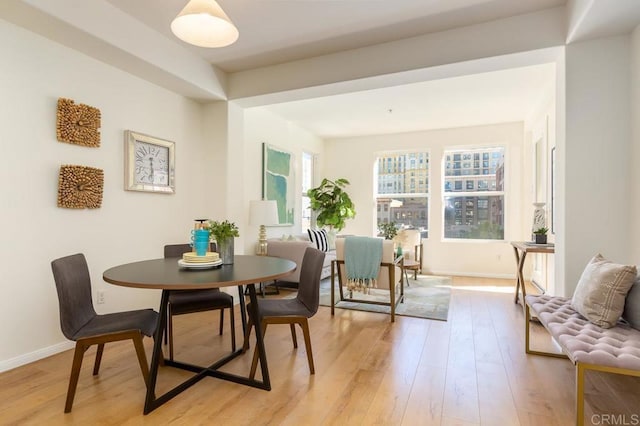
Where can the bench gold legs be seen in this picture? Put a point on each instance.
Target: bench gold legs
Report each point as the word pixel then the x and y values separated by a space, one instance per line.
pixel 581 368
pixel 527 339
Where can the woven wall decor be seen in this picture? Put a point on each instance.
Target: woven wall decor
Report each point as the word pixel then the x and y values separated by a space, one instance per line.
pixel 80 187
pixel 77 124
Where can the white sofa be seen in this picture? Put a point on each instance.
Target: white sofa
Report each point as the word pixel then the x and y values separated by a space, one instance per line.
pixel 294 250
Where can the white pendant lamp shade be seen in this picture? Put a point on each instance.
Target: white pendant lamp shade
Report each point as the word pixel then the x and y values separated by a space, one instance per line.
pixel 203 23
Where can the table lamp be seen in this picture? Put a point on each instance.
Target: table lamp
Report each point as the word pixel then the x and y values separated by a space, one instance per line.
pixel 263 213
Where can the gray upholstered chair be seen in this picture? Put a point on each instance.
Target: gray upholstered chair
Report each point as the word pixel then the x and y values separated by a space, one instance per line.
pixel 191 301
pixel 80 322
pixel 292 311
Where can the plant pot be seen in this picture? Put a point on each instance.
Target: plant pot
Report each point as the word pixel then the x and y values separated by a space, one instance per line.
pixel 225 249
pixel 541 239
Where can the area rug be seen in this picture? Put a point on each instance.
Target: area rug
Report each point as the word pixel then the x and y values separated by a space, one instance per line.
pixel 426 297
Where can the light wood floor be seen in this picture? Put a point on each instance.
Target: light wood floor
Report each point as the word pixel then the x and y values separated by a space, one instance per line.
pixel 469 370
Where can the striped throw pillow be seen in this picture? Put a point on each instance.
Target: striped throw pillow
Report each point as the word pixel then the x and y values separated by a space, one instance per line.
pixel 319 238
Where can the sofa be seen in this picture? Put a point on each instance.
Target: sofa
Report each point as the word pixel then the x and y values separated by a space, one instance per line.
pixel 293 248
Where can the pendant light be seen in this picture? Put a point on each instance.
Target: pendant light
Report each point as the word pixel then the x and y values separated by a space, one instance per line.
pixel 203 23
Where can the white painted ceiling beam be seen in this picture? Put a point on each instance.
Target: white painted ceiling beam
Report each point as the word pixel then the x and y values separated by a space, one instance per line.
pixel 105 33
pixel 522 33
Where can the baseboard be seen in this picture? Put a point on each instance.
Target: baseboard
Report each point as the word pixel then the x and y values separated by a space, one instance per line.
pixel 30 357
pixel 471 274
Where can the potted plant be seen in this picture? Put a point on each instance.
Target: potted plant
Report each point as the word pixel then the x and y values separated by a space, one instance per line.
pixel 332 204
pixel 387 230
pixel 541 235
pixel 223 233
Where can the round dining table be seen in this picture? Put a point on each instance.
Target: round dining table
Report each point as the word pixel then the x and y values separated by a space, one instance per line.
pixel 166 275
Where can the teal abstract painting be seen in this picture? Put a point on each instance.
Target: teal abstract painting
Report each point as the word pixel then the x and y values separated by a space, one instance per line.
pixel 279 181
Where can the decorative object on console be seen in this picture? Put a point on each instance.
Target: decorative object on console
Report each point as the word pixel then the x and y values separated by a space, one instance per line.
pixel 149 163
pixel 77 124
pixel 224 232
pixel 541 235
pixel 203 23
pixel 278 181
pixel 263 213
pixel 539 217
pixel 80 187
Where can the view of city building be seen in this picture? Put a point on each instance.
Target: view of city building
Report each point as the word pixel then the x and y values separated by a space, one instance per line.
pixel 476 177
pixel 403 190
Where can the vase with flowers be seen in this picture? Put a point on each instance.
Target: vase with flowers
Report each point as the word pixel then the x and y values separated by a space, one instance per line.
pixel 223 232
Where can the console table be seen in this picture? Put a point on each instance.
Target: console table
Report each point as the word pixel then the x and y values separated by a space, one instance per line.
pixel 520 249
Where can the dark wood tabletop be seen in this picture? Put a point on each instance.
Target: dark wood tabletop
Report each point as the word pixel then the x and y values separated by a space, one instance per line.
pixel 166 274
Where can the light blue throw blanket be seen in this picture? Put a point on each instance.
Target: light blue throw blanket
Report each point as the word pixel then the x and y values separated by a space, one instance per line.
pixel 362 257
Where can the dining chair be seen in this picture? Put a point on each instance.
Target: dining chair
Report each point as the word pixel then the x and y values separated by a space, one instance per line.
pixel 411 242
pixel 192 301
pixel 80 322
pixel 292 311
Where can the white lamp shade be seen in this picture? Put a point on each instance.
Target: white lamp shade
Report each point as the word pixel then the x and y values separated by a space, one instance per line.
pixel 263 212
pixel 203 23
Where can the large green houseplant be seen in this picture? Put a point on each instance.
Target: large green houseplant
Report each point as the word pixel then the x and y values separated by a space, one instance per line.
pixel 332 204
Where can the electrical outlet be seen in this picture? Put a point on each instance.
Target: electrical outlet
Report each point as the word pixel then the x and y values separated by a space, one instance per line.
pixel 100 297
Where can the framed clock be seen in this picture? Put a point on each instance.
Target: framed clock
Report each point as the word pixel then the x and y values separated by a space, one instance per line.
pixel 149 163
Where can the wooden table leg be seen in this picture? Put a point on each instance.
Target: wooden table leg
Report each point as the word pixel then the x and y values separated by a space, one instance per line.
pixel 517 254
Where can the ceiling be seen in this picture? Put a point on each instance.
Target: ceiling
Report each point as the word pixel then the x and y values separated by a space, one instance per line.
pixel 471 100
pixel 279 31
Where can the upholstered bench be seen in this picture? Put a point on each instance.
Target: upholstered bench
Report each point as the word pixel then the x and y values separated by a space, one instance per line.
pixel 588 346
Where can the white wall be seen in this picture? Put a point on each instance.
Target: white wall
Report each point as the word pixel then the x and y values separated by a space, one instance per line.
pixel 634 158
pixel 354 159
pixel 264 126
pixel 596 156
pixel 35 72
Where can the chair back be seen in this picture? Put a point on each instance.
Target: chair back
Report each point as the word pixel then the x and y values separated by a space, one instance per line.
pixel 176 250
pixel 73 284
pixel 309 285
pixel 408 239
pixel 387 257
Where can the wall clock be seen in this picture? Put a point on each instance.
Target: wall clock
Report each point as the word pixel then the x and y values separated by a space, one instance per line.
pixel 149 163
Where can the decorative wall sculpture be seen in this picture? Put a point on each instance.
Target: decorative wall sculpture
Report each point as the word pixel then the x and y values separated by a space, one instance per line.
pixel 77 124
pixel 80 187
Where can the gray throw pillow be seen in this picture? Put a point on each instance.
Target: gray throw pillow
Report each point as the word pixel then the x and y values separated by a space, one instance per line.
pixel 632 305
pixel 601 291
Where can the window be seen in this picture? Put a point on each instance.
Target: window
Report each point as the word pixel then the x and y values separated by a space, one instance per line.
pixel 403 189
pixel 307 184
pixel 477 212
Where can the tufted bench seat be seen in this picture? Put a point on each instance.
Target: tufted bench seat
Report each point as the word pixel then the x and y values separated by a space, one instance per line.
pixel 589 347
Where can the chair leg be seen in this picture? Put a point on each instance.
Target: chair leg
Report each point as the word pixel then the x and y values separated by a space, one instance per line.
pixel 96 365
pixel 142 358
pixel 307 343
pixel 75 374
pixel 233 328
pixel 221 320
pixel 254 362
pixel 293 335
pixel 579 394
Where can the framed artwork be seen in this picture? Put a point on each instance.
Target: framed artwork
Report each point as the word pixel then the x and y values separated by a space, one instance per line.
pixel 149 163
pixel 278 181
